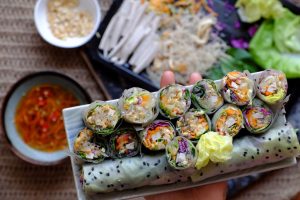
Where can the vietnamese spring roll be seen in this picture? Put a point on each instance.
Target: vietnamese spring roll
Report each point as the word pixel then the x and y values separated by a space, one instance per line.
pixel 272 86
pixel 193 124
pixel 174 101
pixel 237 88
pixel 258 117
pixel 205 95
pixel 124 143
pixel 87 149
pixel 138 106
pixel 228 120
pixel 181 153
pixel 157 135
pixel 101 117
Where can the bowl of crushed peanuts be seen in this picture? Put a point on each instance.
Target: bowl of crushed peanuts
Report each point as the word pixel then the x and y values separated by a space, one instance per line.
pixel 67 23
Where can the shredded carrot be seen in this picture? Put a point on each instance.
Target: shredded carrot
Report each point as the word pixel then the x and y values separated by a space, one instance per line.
pixel 38 117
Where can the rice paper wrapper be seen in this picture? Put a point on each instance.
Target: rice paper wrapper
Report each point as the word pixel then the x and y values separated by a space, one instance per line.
pixel 130 173
pixel 276 144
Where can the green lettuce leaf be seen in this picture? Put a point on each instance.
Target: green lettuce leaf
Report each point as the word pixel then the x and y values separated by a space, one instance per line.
pixel 276 44
pixel 253 10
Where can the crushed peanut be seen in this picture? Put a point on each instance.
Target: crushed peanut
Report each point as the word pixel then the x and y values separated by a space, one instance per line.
pixel 66 21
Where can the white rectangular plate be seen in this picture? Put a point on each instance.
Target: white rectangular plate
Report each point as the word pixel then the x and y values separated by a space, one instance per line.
pixel 73 124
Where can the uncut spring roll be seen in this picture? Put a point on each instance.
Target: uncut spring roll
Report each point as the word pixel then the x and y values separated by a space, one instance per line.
pixel 157 135
pixel 193 124
pixel 181 153
pixel 102 117
pixel 87 149
pixel 272 86
pixel 258 117
pixel 228 120
pixel 205 95
pixel 174 101
pixel 138 106
pixel 237 88
pixel 278 143
pixel 124 143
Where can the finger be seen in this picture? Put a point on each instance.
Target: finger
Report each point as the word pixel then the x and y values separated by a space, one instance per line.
pixel 194 78
pixel 215 191
pixel 167 78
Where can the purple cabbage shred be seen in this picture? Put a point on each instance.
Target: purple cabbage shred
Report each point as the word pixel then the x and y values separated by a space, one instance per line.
pixel 183 146
pixel 239 43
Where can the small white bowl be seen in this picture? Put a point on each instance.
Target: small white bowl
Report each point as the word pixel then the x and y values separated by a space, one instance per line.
pixel 43 27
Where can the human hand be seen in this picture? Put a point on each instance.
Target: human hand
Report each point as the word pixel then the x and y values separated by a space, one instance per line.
pixel 216 191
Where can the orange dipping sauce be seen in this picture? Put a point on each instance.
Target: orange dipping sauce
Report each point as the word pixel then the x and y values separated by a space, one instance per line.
pixel 38 117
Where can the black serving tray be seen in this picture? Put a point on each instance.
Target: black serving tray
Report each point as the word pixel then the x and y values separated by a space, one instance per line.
pixel 113 78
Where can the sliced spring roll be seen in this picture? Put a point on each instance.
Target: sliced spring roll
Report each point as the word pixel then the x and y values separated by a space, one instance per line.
pixel 101 117
pixel 237 88
pixel 138 106
pixel 124 143
pixel 272 86
pixel 158 134
pixel 205 95
pixel 181 153
pixel 228 120
pixel 174 101
pixel 87 148
pixel 193 124
pixel 258 117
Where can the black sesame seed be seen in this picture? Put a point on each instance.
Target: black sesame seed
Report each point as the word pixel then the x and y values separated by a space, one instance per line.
pixel 165 168
pixel 148 175
pixel 180 176
pixel 112 185
pixel 270 139
pixel 257 153
pixel 267 157
pixel 117 166
pixel 257 149
pixel 285 124
pixel 122 185
pixel 92 168
pixel 89 173
pixel 282 131
pixel 279 150
pixel 276 155
pixel 100 172
pixel 169 180
pixel 87 183
pixel 295 147
pixel 279 139
pixel 107 174
pixel 84 180
pixel 217 164
pixel 155 164
pixel 144 163
pixel 158 161
pixel 95 177
pixel 121 162
pixel 221 171
pixel 179 181
pixel 108 186
pixel 157 177
pixel 279 133
pixel 289 148
pixel 252 157
pixel 118 171
pixel 263 138
pixel 267 150
pixel 201 174
pixel 148 164
pixel 289 137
